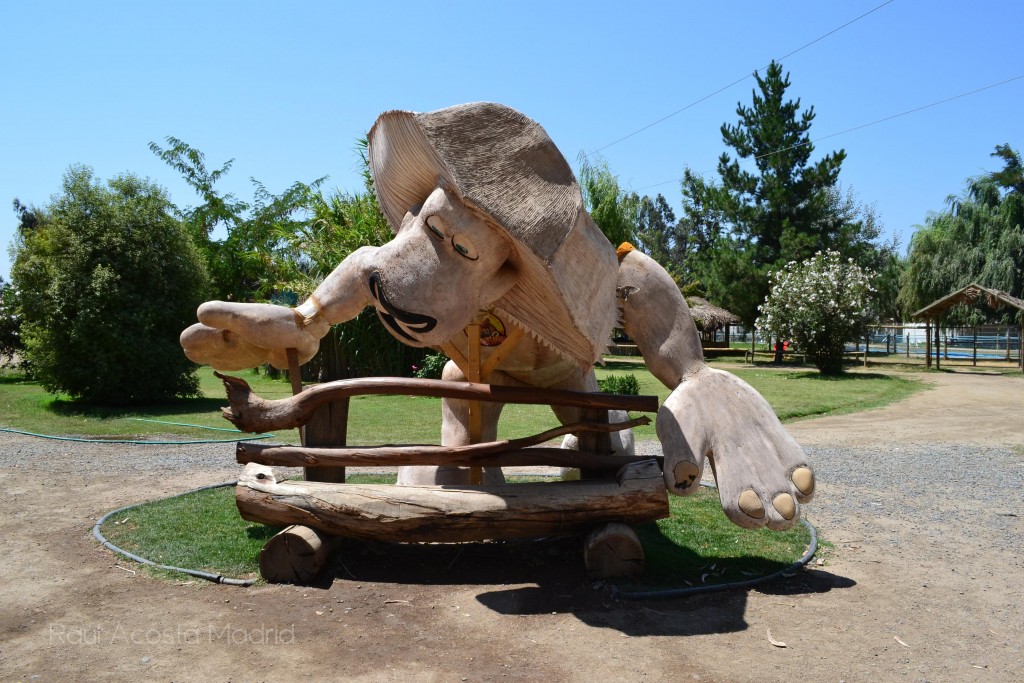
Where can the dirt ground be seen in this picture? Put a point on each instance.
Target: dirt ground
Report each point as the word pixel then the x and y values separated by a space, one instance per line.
pixel 899 597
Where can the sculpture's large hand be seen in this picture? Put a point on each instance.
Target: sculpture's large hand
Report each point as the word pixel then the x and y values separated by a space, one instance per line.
pixel 762 473
pixel 234 336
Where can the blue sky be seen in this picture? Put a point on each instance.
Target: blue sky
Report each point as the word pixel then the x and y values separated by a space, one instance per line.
pixel 285 88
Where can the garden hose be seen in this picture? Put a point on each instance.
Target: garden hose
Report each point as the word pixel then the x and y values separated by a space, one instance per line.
pixel 144 443
pixel 209 576
pixel 186 424
pixel 669 593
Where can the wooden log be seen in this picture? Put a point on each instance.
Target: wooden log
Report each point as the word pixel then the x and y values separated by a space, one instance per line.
pixel 295 555
pixel 250 413
pixel 494 453
pixel 294 371
pixel 314 459
pixel 595 441
pixel 327 427
pixel 450 514
pixel 613 551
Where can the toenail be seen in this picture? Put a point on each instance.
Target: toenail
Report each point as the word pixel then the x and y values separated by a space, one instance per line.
pixel 803 479
pixel 685 474
pixel 750 503
pixel 785 504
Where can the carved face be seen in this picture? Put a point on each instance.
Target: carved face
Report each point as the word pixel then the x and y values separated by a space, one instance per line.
pixel 444 265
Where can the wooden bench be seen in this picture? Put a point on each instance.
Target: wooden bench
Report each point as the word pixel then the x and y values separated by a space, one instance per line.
pixel 615 491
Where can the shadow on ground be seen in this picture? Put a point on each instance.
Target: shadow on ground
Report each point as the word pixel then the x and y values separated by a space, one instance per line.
pixel 547 576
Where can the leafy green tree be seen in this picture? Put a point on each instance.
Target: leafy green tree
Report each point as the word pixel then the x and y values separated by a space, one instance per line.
pixel 772 205
pixel 251 259
pixel 978 238
pixel 1011 176
pixel 612 208
pixel 659 236
pixel 106 279
pixel 887 287
pixel 10 325
pixel 820 304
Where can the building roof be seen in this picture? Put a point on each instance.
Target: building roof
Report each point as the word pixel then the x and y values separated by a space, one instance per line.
pixel 968 295
pixel 709 316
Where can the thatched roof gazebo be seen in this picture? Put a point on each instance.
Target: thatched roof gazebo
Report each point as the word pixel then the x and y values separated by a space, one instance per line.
pixel 969 295
pixel 710 319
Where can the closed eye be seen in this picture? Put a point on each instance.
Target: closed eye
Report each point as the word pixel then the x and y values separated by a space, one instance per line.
pixel 462 244
pixel 433 228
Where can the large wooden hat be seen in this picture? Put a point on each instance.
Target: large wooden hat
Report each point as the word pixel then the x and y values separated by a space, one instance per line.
pixel 503 164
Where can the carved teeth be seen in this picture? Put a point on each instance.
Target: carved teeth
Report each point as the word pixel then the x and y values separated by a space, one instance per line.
pixel 750 503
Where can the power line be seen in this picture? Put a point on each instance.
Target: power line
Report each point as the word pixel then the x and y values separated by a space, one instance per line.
pixel 863 125
pixel 740 80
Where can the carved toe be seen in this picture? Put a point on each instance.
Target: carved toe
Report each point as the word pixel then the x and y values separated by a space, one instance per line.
pixel 751 505
pixel 785 505
pixel 803 479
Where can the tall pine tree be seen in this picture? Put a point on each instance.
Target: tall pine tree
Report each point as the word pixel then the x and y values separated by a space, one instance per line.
pixel 771 206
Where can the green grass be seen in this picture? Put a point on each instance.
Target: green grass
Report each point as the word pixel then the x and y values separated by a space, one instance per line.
pixel 697 545
pixel 24 405
pixel 408 419
pixel 200 530
pixel 793 394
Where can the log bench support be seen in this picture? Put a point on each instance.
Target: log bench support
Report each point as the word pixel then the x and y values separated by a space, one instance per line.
pixel 296 555
pixel 613 551
pixel 453 514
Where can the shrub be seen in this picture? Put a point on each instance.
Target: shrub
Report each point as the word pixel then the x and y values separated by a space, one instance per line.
pixel 432 366
pixel 620 384
pixel 10 325
pixel 820 304
pixel 106 279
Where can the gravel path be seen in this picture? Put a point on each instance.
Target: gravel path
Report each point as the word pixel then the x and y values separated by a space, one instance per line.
pixel 920 501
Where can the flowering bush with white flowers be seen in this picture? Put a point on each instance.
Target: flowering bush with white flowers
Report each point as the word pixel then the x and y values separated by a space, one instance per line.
pixel 819 304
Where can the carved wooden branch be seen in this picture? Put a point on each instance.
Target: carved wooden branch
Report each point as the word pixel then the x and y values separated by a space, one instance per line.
pixel 250 413
pixel 508 453
pixel 290 456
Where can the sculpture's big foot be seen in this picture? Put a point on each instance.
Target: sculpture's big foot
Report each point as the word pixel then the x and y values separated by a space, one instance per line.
pixel 762 473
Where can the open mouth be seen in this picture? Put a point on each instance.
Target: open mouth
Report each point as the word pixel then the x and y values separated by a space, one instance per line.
pixel 400 322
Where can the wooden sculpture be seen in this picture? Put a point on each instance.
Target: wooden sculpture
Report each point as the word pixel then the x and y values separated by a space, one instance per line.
pixel 496 263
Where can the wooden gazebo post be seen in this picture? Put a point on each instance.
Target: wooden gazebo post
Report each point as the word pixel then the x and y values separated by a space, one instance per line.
pixel 928 343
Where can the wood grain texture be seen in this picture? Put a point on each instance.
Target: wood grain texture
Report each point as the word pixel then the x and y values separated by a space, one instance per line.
pixel 450 514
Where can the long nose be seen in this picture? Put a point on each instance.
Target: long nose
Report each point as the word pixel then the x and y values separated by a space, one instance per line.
pixel 399 321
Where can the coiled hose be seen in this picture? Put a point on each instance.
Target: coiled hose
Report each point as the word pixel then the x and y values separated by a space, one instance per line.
pixel 209 576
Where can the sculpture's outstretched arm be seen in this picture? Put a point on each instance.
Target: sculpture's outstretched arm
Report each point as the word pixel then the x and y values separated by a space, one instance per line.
pixel 761 471
pixel 233 336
